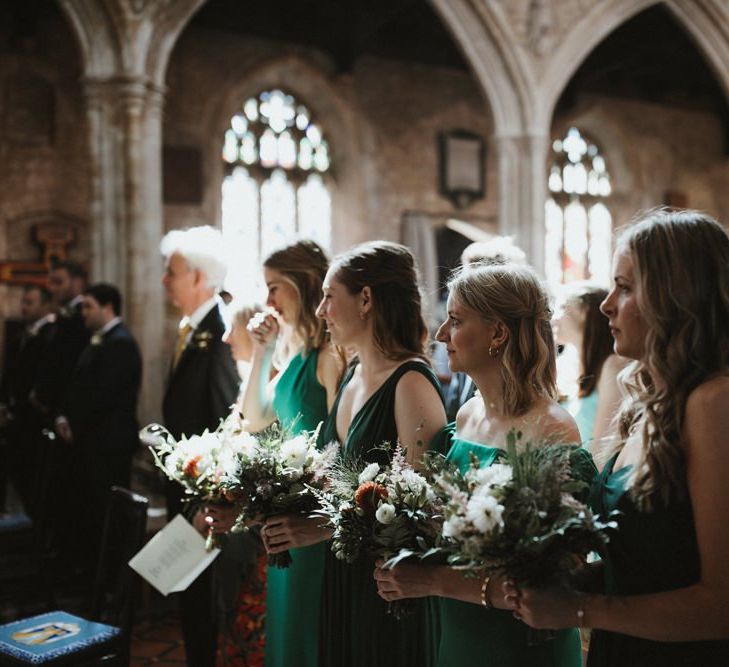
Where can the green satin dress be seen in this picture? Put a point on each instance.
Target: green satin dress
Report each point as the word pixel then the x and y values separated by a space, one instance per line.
pixel 650 552
pixel 356 629
pixel 471 636
pixel 293 594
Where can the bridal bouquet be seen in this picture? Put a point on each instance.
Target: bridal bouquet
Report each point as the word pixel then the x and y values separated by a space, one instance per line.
pixel 279 474
pixel 387 512
pixel 205 465
pixel 520 516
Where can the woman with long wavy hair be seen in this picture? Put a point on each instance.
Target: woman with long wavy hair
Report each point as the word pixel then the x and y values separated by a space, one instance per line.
pixel 498 332
pixel 665 582
pixel 299 396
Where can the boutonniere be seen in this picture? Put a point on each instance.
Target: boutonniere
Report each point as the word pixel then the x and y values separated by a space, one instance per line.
pixel 202 339
pixel 96 339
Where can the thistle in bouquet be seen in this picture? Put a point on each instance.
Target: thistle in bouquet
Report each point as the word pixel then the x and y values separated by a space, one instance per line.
pixel 202 464
pixel 279 475
pixel 521 516
pixel 387 512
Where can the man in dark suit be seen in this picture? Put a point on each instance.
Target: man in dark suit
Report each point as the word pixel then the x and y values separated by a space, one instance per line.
pixel 21 419
pixel 98 412
pixel 201 386
pixel 66 281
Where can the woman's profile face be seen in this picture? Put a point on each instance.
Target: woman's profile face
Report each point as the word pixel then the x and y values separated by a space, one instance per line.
pixel 627 325
pixel 340 310
pixel 282 295
pixel 466 336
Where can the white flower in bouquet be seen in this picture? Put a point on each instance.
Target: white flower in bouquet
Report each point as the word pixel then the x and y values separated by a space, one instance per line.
pixel 243 443
pixel 495 475
pixel 454 526
pixel 385 513
pixel 294 453
pixel 195 457
pixel 484 511
pixel 369 473
pixel 414 482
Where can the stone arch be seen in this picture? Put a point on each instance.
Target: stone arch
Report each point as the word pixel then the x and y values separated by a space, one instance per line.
pixel 702 20
pixel 488 44
pixel 132 39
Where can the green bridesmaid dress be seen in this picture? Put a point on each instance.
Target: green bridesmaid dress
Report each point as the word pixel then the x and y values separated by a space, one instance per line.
pixel 356 629
pixel 471 636
pixel 293 594
pixel 650 552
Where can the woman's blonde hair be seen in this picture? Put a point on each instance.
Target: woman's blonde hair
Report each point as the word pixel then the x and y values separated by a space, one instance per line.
pixel 513 294
pixel 681 268
pixel 304 265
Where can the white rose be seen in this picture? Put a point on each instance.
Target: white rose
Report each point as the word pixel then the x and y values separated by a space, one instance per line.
pixel 369 473
pixel 385 513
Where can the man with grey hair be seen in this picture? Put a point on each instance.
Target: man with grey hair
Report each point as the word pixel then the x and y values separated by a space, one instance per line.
pixel 201 386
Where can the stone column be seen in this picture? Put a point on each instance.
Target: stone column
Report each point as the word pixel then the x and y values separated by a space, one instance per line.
pixel 523 191
pixel 125 124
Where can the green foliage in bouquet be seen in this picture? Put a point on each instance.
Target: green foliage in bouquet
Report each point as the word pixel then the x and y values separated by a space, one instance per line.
pixel 277 474
pixel 523 515
pixel 380 511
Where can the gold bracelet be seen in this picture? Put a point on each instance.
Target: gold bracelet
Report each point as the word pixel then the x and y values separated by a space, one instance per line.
pixel 485 602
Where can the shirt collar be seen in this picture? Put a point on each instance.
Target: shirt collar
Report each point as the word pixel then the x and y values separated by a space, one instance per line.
pixel 75 301
pixel 34 328
pixel 108 326
pixel 200 313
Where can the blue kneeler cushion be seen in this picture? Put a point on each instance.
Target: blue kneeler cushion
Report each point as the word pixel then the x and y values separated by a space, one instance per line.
pixel 40 639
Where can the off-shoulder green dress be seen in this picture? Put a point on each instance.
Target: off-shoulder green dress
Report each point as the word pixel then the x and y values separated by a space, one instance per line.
pixel 356 629
pixel 472 636
pixel 294 594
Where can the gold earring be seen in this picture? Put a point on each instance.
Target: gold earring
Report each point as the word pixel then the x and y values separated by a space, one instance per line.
pixel 493 351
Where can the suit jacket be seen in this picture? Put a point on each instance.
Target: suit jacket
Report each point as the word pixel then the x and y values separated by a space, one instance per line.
pixel 100 401
pixel 204 384
pixel 22 368
pixel 70 337
pixel 460 390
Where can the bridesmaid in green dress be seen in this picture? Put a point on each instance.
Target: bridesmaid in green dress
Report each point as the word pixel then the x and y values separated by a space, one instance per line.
pixel 299 397
pixel 498 332
pixel 665 578
pixel 371 306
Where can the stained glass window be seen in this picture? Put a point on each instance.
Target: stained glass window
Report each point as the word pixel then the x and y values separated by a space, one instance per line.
pixel 578 221
pixel 276 185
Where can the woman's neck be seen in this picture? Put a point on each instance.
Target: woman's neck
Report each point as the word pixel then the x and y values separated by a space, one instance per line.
pixel 372 361
pixel 491 387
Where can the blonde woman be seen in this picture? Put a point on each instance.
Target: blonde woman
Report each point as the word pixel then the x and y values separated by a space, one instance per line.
pixel 666 579
pixel 498 332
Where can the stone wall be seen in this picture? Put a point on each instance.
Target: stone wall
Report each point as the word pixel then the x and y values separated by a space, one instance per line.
pixel 43 148
pixel 382 120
